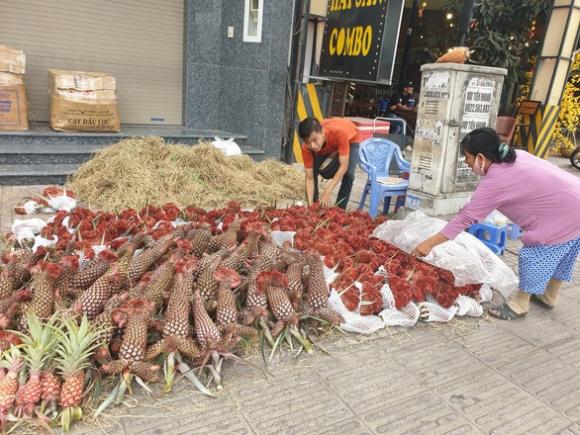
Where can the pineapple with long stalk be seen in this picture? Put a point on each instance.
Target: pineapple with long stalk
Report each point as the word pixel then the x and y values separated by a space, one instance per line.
pixel 227 239
pixel 317 292
pixel 70 267
pixel 76 344
pixel 227 311
pixel 135 317
pixel 13 361
pixel 212 344
pixel 143 262
pixel 44 277
pixel 176 327
pixel 92 301
pixel 274 285
pixel 205 282
pixel 96 268
pixel 38 349
pixel 256 306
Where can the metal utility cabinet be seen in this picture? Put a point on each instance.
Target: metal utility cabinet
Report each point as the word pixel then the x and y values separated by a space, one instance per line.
pixel 454 100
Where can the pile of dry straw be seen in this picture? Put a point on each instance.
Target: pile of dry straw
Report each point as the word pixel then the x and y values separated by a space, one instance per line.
pixel 141 171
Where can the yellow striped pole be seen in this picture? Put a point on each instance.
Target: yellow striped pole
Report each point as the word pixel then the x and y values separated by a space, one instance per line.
pixel 542 143
pixel 307 105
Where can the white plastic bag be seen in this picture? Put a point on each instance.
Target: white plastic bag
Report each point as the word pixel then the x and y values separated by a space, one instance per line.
pixel 497 218
pixel 26 229
pixel 467 257
pixel 62 202
pixel 227 146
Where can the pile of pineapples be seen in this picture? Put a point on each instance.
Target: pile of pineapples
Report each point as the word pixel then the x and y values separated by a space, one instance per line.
pixel 149 305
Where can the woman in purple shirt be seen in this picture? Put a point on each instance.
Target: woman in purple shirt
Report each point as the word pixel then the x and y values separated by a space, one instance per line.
pixel 535 194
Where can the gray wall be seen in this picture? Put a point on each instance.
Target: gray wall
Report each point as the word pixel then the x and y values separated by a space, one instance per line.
pixel 234 85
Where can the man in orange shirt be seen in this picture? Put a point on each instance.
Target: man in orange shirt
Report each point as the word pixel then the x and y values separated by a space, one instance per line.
pixel 327 139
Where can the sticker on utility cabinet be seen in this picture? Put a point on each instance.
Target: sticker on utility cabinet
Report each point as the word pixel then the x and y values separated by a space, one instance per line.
pixel 413 202
pixel 477 108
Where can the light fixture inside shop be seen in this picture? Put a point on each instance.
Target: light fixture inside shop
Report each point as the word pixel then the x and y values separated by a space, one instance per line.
pixel 449 15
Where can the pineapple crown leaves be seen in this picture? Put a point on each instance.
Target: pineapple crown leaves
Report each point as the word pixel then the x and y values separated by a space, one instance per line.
pixel 38 345
pixel 75 344
pixel 11 357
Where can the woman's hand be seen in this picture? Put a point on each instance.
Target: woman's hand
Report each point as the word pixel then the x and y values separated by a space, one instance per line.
pixel 423 248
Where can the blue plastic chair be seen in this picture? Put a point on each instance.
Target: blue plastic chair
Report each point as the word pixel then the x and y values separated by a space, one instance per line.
pixel 375 156
pixel 493 236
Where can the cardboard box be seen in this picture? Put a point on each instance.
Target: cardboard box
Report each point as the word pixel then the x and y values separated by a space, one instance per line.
pixel 13 107
pixel 13 61
pixel 83 101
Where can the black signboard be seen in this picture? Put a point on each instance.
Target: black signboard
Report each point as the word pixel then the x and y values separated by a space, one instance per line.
pixel 360 39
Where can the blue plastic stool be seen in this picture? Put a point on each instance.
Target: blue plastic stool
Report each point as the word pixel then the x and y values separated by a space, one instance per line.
pixel 514 231
pixel 493 236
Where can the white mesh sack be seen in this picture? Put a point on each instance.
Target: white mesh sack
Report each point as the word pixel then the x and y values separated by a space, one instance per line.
pixel 467 257
pixel 354 322
pixel 485 293
pixel 280 237
pixel 406 317
pixel 27 229
pixel 432 312
pixel 468 307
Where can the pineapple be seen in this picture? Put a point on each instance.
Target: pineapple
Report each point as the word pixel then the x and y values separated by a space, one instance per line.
pixel 295 285
pixel 50 384
pixel 137 314
pixel 228 239
pixel 10 306
pixel 44 276
pixel 75 346
pixel 317 292
pixel 84 278
pixel 178 308
pixel 274 284
pixel 9 382
pixel 206 283
pixel 200 239
pixel 256 301
pixel 226 311
pixel 104 321
pixel 70 266
pixel 134 341
pixel 242 253
pixel 92 301
pixel 122 266
pixel 208 335
pixel 142 262
pixel 38 346
pixel 160 283
pixel 269 253
pixel 15 272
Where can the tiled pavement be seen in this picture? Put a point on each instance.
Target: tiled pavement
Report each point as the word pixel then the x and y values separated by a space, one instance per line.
pixel 469 376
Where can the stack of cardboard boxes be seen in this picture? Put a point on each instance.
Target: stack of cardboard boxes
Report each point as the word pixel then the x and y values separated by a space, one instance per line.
pixel 80 101
pixel 83 101
pixel 13 107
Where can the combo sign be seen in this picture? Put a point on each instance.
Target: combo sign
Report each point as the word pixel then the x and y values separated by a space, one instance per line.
pixel 360 39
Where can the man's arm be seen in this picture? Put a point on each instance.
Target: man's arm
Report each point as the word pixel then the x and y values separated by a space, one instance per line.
pixel 309 179
pixel 342 169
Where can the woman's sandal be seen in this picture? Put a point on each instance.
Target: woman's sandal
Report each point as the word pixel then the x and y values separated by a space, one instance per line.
pixel 538 300
pixel 504 312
